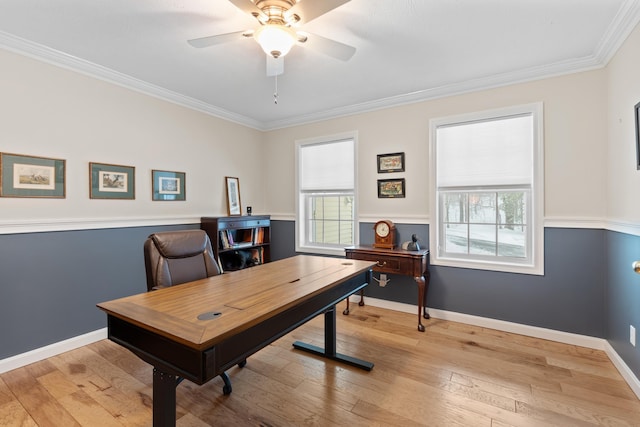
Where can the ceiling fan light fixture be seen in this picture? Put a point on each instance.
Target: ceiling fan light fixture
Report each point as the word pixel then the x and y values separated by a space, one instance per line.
pixel 275 39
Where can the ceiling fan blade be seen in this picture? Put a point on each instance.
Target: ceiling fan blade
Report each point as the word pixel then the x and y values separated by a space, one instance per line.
pixel 249 7
pixel 329 47
pixel 219 39
pixel 275 66
pixel 308 10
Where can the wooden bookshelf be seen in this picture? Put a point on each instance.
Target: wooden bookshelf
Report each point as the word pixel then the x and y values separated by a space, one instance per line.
pixel 239 241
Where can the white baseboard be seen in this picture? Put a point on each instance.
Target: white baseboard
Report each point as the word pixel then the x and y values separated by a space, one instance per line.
pixel 516 328
pixel 54 349
pixel 624 370
pixel 42 353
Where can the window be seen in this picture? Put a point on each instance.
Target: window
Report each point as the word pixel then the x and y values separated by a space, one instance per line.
pixel 326 205
pixel 487 187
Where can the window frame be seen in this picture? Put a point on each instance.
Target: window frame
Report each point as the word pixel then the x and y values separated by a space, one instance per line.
pixel 535 263
pixel 302 243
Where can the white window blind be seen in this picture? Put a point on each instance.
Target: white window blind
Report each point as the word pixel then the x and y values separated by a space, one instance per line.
pixel 327 166
pixel 326 199
pixel 486 153
pixel 487 194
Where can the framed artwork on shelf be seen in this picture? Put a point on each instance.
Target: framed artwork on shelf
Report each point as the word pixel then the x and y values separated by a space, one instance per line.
pixel 233 196
pixel 112 181
pixel 636 113
pixel 168 185
pixel 32 176
pixel 393 162
pixel 391 188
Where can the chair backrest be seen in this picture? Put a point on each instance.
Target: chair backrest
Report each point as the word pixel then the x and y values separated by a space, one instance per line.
pixel 175 257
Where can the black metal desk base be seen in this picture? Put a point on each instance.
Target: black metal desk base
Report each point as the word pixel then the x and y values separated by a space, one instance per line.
pixel 329 350
pixel 164 398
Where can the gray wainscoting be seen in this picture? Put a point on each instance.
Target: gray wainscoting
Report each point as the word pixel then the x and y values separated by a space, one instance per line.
pixel 622 297
pixel 50 283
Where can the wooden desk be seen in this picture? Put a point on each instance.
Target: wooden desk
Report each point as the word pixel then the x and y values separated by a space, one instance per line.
pixel 398 261
pixel 197 330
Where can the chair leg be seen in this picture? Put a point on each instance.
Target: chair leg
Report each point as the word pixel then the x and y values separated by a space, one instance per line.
pixel 226 389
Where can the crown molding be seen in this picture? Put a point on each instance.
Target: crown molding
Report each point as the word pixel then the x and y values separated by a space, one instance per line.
pixel 623 23
pixel 489 82
pixel 626 19
pixel 60 59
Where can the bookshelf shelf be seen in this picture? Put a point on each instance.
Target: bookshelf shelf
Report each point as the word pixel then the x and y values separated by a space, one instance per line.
pixel 239 241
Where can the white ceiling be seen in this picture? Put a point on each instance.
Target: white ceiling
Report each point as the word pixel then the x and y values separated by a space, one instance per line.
pixel 407 50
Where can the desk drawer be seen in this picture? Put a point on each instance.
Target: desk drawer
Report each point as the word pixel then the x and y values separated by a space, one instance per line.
pixel 384 264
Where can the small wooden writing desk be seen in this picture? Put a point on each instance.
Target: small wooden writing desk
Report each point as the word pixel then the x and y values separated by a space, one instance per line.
pixel 398 261
pixel 197 330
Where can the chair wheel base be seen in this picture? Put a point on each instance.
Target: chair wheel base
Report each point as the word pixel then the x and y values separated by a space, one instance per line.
pixel 226 390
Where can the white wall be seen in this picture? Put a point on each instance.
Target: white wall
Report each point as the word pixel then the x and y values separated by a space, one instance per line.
pixel 575 148
pixel 53 112
pixel 623 82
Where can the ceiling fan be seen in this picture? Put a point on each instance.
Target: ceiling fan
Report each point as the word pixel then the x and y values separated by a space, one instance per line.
pixel 277 32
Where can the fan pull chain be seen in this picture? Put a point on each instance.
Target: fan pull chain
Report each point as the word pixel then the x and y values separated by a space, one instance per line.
pixel 275 94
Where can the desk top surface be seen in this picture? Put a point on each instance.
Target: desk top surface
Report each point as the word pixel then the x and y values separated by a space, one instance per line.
pixel 244 298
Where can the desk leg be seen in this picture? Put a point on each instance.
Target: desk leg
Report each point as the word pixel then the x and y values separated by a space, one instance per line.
pixel 329 350
pixel 164 399
pixel 427 278
pixel 422 301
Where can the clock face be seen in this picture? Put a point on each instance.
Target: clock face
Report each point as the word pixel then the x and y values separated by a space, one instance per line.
pixel 382 229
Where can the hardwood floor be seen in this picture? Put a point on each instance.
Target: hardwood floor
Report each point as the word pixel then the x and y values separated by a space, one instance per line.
pixel 451 375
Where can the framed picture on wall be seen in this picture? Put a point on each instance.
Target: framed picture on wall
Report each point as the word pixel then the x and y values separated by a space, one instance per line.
pixel 31 176
pixel 393 162
pixel 391 188
pixel 168 185
pixel 111 181
pixel 636 113
pixel 233 196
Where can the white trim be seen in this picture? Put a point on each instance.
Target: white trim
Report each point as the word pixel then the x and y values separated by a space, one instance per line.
pixel 42 353
pixel 517 328
pixel 565 222
pixel 624 370
pixel 624 226
pixel 54 349
pixel 60 59
pixel 282 216
pixel 625 21
pixel 619 29
pixel 70 224
pixel 485 322
pixel 301 244
pixel 398 219
pixel 485 83
pixel 534 264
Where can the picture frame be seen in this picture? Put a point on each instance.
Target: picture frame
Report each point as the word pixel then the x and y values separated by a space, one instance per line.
pixel 32 176
pixel 636 111
pixel 107 181
pixel 168 186
pixel 392 162
pixel 234 207
pixel 391 188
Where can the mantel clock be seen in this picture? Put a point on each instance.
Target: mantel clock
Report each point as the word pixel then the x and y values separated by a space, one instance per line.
pixel 385 234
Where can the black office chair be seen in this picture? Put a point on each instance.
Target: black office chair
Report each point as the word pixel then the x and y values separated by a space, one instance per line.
pixel 175 257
